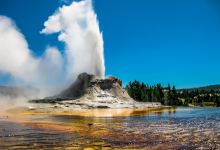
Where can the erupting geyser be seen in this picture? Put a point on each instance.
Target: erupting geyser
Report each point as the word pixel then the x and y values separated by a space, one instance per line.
pixel 77 26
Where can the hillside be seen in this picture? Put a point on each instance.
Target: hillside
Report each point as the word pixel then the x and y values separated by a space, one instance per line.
pixel 215 87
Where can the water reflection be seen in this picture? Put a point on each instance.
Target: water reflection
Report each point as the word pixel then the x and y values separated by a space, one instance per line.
pixel 173 128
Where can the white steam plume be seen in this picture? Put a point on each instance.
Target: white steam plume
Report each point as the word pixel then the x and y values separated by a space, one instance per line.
pixel 17 59
pixel 78 28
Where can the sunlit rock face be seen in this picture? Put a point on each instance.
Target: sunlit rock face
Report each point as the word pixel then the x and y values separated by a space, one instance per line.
pixel 92 87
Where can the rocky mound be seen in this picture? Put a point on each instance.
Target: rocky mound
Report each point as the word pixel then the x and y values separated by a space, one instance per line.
pixel 90 91
pixel 77 89
pixel 91 87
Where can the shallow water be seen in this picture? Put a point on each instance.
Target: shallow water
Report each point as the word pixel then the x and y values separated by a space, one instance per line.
pixel 181 128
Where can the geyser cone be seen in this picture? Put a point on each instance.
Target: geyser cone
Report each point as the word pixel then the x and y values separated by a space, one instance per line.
pixel 87 85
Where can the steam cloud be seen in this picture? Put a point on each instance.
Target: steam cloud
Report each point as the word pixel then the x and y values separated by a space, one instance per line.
pixel 77 27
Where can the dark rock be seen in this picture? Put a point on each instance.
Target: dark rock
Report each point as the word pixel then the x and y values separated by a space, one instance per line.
pixel 102 107
pixel 77 89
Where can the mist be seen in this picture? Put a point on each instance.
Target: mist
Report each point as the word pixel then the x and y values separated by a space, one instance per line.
pixel 77 27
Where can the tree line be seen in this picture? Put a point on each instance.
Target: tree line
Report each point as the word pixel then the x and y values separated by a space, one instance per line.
pixel 169 95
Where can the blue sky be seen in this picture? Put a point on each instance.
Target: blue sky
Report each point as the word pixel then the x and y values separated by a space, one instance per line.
pixel 153 41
